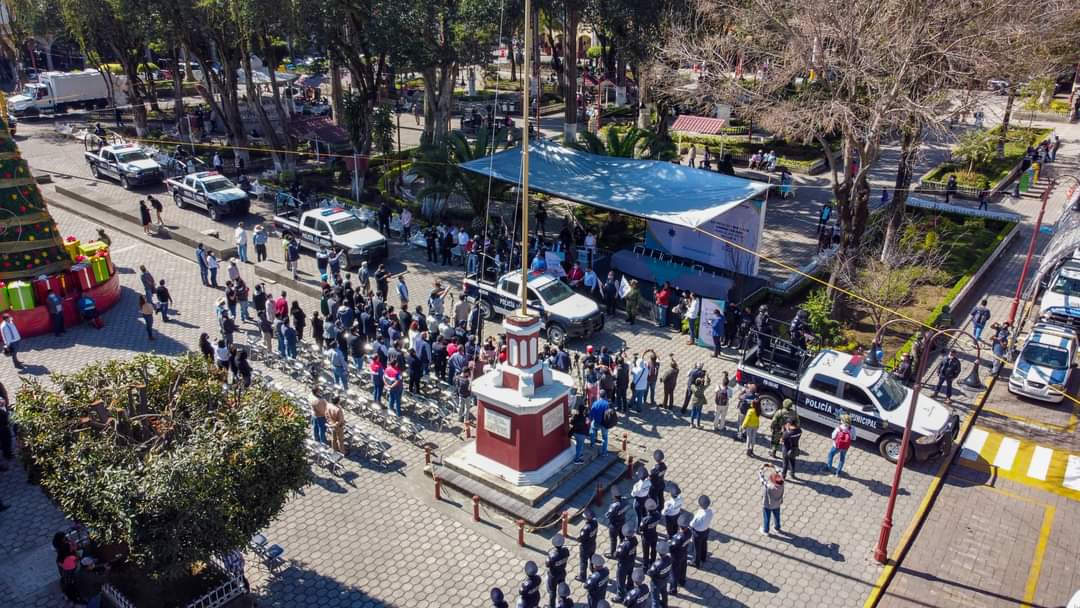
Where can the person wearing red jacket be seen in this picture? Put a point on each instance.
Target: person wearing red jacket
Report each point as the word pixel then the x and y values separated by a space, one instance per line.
pixel 663 302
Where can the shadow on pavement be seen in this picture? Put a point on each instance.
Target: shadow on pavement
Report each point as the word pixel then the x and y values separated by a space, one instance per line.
pixel 725 569
pixel 297 585
pixel 828 550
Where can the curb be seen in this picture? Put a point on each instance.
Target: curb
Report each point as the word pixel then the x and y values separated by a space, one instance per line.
pixel 907 539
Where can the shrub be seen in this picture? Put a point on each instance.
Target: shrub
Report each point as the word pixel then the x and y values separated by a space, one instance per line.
pixel 819 310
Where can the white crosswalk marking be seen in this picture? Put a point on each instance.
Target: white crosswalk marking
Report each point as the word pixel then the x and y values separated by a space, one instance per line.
pixel 1072 473
pixel 1040 463
pixel 975 441
pixel 1006 453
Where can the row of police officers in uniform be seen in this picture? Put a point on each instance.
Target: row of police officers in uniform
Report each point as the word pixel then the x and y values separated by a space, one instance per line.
pixel 664 562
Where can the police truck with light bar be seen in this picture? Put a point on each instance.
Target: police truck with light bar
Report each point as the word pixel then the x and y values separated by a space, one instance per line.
pixel 334 228
pixel 828 384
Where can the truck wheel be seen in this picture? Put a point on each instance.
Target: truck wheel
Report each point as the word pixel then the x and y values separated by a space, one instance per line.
pixel 179 200
pixel 889 447
pixel 486 312
pixel 125 183
pixel 556 335
pixel 214 213
pixel 770 404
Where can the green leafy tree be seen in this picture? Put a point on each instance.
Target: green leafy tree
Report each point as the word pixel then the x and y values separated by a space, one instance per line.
pixel 627 143
pixel 443 177
pixel 157 456
pixel 975 147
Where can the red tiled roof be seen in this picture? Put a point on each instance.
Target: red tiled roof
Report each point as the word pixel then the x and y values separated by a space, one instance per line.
pixel 699 124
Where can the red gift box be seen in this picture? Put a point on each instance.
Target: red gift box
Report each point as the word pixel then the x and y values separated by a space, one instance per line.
pixel 71 284
pixel 43 285
pixel 84 276
pixel 104 253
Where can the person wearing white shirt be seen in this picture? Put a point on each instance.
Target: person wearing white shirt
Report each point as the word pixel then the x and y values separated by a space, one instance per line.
pixel 406 225
pixel 672 510
pixel 590 247
pixel 699 528
pixel 693 311
pixel 463 240
pixel 640 492
pixel 639 382
pixel 241 242
pixel 11 340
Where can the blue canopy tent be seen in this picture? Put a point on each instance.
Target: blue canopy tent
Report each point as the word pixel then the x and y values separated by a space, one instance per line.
pixel 650 189
pixel 692 215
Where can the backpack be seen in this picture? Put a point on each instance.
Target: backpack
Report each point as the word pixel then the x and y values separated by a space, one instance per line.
pixel 722 397
pixel 611 418
pixel 843 440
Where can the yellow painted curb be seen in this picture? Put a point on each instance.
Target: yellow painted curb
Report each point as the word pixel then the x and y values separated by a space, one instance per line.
pixel 908 537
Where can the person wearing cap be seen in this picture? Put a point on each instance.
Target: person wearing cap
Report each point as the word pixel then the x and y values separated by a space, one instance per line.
pixel 640 492
pixel 497 598
pixel 259 238
pixel 639 595
pixel 772 497
pixel 647 530
pixel 10 334
pixel 529 591
pixel 624 560
pixel 597 584
pixel 660 575
pixel 680 549
pixel 556 567
pixel 672 510
pixel 699 528
pixel 564 600
pixel 656 477
pixel 779 421
pixel 616 519
pixel 586 543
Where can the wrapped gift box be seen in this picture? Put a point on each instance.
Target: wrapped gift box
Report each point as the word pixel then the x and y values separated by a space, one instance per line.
pixel 100 268
pixel 104 253
pixel 71 245
pixel 90 249
pixel 21 295
pixel 43 285
pixel 71 284
pixel 83 276
pixel 4 305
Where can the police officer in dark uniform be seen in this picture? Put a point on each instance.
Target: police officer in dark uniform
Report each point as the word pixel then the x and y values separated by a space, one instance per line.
pixel 680 549
pixel 625 556
pixel 639 595
pixel 497 599
pixel 647 530
pixel 596 586
pixel 656 477
pixel 529 592
pixel 564 597
pixel 586 543
pixel 558 556
pixel 616 518
pixel 659 575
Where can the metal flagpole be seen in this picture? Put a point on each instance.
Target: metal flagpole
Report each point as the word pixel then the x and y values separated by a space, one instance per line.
pixel 525 164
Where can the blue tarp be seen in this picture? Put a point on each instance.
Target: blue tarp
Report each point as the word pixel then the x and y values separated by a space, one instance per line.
pixel 650 189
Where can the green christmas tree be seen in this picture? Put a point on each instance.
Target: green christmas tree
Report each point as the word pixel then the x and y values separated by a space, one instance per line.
pixel 30 242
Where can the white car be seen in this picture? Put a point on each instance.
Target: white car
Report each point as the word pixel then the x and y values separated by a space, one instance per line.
pixel 1061 300
pixel 1044 366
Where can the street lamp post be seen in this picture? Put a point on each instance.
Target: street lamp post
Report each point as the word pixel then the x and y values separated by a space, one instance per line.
pixel 1031 245
pixel 881 554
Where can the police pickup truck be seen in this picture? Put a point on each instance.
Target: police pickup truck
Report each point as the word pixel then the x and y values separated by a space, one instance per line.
pixel 1061 300
pixel 126 163
pixel 334 228
pixel 1044 367
pixel 565 313
pixel 209 190
pixel 827 384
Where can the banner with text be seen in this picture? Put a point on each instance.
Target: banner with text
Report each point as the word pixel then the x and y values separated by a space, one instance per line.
pixel 742 225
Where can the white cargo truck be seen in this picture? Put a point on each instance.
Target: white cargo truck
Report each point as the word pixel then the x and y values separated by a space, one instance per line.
pixel 57 92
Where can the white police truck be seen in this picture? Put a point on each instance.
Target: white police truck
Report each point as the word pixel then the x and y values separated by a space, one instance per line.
pixel 565 313
pixel 211 191
pixel 1061 300
pixel 1045 364
pixel 830 383
pixel 127 163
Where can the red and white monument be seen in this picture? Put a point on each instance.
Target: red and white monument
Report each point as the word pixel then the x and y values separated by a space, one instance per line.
pixel 522 412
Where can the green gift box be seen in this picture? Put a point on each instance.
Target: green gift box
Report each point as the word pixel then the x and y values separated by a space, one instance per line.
pixel 100 268
pixel 21 295
pixel 4 304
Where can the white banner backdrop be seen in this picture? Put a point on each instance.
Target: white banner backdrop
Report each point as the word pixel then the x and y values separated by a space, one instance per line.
pixel 742 225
